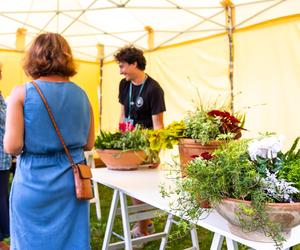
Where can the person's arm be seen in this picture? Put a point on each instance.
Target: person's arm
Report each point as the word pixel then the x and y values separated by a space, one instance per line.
pixel 122 116
pixel 121 100
pixel 158 121
pixel 14 126
pixel 91 138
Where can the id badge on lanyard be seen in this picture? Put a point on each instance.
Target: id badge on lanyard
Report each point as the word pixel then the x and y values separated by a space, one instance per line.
pixel 128 120
pixel 131 103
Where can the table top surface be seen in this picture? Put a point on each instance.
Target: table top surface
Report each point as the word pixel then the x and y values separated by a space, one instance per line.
pixel 145 184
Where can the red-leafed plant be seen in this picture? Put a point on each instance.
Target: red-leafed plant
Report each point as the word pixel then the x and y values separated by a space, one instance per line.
pixel 208 124
pixel 229 123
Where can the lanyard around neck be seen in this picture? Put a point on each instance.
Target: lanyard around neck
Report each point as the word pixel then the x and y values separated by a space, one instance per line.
pixel 130 102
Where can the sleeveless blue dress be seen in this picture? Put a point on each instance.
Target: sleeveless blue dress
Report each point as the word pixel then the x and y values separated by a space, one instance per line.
pixel 44 212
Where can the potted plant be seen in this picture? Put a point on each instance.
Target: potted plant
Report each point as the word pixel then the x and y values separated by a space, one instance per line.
pixel 205 130
pixel 125 149
pixel 251 183
pixel 199 133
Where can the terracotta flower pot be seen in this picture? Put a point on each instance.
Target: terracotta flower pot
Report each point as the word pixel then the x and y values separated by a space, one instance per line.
pixel 189 148
pixel 121 160
pixel 286 214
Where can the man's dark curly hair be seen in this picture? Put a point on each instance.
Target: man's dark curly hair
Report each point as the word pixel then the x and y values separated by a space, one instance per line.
pixel 130 55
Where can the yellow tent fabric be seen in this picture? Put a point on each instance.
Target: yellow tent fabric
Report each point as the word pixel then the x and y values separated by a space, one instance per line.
pixel 87 77
pixel 267 63
pixel 12 72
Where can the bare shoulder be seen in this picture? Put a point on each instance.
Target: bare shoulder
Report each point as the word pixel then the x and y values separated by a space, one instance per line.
pixel 17 93
pixel 19 89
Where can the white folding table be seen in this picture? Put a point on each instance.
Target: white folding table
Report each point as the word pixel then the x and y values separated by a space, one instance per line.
pixel 144 184
pixel 89 157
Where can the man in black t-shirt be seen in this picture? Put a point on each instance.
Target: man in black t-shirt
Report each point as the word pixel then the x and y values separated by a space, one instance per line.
pixel 142 102
pixel 141 97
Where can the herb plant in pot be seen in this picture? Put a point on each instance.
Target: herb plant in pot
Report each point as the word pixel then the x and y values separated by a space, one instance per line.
pixel 205 130
pixel 252 184
pixel 123 150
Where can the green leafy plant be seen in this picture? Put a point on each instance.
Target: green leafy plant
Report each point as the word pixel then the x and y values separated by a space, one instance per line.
pixel 206 124
pixel 167 137
pixel 129 138
pixel 203 125
pixel 135 139
pixel 291 166
pixel 250 170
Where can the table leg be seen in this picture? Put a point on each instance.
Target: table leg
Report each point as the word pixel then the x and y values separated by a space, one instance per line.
pixel 111 219
pixel 194 237
pixel 97 200
pixel 217 242
pixel 167 230
pixel 125 221
pixel 89 156
pixel 231 244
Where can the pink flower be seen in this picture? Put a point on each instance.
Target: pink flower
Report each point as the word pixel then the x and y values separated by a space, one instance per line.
pixel 125 127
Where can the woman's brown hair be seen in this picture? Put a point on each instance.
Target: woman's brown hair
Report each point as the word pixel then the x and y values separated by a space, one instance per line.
pixel 49 54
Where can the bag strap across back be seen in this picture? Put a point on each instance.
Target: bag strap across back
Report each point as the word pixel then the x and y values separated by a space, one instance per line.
pixel 54 123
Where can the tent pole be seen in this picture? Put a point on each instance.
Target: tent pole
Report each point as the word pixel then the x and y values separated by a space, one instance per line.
pixel 20 39
pixel 150 40
pixel 230 26
pixel 100 58
pixel 100 93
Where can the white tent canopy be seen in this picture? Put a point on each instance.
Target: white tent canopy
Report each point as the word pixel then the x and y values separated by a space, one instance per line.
pixel 114 23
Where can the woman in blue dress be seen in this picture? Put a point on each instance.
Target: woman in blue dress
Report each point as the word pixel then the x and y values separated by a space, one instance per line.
pixel 44 212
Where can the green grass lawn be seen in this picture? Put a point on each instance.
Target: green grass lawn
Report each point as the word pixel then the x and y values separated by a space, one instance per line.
pixel 98 229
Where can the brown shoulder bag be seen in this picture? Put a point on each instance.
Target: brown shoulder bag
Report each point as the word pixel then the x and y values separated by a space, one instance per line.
pixel 82 172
